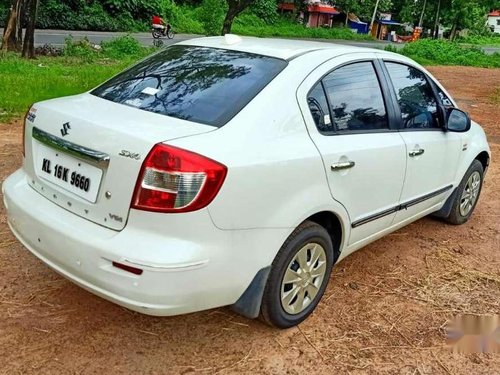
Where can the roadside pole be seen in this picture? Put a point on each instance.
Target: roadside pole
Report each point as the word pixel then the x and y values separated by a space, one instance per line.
pixel 374 14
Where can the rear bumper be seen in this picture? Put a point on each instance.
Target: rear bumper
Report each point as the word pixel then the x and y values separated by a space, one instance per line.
pixel 188 264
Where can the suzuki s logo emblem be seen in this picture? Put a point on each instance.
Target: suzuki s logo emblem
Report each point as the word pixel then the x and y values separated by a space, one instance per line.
pixel 65 128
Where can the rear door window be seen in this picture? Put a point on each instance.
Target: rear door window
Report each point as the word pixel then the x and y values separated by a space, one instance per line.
pixel 319 109
pixel 355 100
pixel 200 84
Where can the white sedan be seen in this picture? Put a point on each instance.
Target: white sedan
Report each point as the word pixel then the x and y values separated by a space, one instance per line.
pixel 238 171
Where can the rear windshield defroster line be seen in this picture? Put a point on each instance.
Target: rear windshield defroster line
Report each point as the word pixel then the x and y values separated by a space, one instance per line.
pixel 200 84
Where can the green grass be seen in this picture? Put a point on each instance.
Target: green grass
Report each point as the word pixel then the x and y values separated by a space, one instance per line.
pixel 442 52
pixel 249 24
pixel 24 82
pixel 493 40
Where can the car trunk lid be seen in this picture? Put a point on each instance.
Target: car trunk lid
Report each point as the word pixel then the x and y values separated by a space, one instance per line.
pixel 84 153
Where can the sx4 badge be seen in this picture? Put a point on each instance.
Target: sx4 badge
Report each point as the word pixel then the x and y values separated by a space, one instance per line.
pixel 128 154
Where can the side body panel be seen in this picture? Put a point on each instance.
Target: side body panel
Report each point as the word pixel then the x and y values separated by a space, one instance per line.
pixel 275 174
pixel 373 186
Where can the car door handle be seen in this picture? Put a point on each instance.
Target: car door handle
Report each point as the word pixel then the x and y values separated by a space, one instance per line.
pixel 343 165
pixel 418 152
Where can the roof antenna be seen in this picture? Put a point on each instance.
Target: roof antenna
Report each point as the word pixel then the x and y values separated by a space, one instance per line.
pixel 232 39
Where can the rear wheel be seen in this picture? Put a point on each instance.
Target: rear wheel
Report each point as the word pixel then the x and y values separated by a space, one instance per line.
pixel 299 276
pixel 467 194
pixel 156 34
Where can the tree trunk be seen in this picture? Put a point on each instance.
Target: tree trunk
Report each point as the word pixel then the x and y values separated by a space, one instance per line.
pixel 420 22
pixel 235 7
pixel 10 34
pixel 29 37
pixel 228 22
pixel 453 32
pixel 436 23
pixel 20 19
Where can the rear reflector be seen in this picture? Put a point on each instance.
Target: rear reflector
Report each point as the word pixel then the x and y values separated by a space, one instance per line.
pixel 24 131
pixel 135 271
pixel 177 180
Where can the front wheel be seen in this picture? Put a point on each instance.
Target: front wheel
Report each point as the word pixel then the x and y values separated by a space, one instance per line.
pixel 299 276
pixel 170 34
pixel 156 34
pixel 467 194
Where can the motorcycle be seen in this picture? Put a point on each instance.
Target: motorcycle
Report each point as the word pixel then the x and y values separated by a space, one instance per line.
pixel 159 28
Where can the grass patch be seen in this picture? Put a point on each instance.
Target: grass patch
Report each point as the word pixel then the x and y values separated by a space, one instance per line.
pixel 249 24
pixel 441 52
pixel 495 97
pixel 81 68
pixel 493 40
pixel 453 284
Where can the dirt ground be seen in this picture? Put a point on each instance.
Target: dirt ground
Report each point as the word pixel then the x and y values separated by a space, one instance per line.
pixel 383 312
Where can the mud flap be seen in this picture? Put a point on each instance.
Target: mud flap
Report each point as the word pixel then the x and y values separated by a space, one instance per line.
pixel 248 304
pixel 445 211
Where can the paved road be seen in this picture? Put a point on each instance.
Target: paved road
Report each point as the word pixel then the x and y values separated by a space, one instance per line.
pixel 56 38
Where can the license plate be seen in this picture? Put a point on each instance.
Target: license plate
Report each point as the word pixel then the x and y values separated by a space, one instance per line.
pixel 69 173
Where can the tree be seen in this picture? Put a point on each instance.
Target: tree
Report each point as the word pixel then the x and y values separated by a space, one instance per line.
pixel 364 9
pixel 29 37
pixel 466 14
pixel 300 7
pixel 266 10
pixel 211 15
pixel 12 39
pixel 11 33
pixel 349 6
pixel 235 7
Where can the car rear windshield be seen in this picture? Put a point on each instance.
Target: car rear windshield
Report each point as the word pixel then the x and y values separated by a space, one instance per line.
pixel 205 85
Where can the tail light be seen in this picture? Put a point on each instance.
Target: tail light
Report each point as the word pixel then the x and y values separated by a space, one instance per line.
pixel 176 180
pixel 30 115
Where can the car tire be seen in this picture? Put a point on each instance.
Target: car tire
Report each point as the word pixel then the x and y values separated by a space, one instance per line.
pixel 306 260
pixel 467 194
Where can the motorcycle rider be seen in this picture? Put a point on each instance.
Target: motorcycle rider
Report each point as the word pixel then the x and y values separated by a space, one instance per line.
pixel 157 20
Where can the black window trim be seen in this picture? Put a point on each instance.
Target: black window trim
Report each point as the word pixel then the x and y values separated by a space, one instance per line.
pixel 392 120
pixel 394 95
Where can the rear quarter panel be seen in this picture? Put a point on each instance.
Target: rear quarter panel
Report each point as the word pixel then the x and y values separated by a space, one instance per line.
pixel 276 177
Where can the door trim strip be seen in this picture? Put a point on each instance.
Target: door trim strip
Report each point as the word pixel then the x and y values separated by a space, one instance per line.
pixel 400 207
pixel 415 201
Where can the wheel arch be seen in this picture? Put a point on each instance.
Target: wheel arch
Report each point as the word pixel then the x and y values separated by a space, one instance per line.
pixel 484 159
pixel 333 225
pixel 249 303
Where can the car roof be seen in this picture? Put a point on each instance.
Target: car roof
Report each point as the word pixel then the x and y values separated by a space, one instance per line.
pixel 285 49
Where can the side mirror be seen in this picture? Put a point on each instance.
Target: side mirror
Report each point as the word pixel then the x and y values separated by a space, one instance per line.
pixel 457 120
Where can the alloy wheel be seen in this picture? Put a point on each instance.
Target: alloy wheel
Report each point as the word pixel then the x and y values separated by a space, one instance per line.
pixel 470 193
pixel 303 278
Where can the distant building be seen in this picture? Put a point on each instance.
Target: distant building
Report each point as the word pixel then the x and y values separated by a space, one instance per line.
pixel 317 13
pixel 383 27
pixel 494 21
